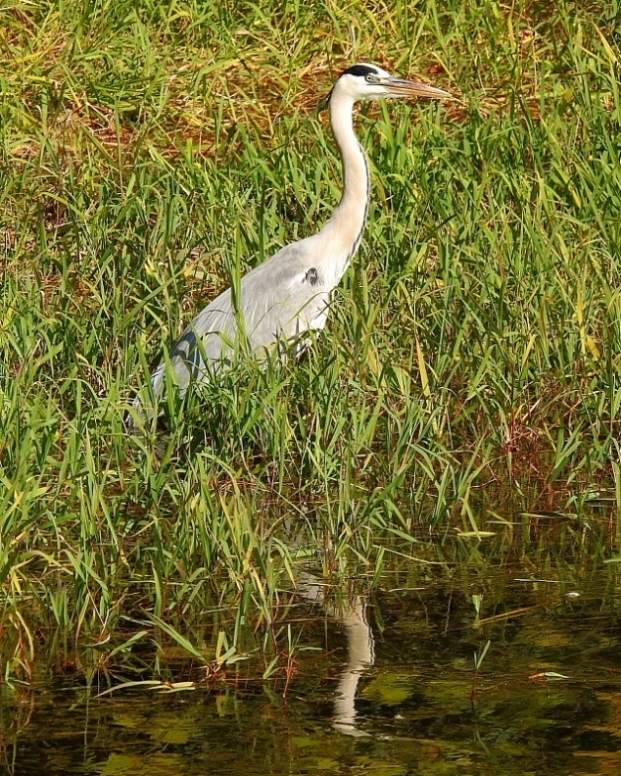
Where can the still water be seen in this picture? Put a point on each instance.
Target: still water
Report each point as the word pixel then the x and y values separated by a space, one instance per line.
pixel 505 661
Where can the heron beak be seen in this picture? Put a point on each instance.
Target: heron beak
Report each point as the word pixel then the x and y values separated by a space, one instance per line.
pixel 397 87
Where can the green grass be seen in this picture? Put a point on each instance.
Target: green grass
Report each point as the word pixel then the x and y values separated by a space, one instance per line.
pixel 146 159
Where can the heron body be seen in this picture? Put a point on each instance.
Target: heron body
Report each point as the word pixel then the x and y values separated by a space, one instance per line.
pixel 289 294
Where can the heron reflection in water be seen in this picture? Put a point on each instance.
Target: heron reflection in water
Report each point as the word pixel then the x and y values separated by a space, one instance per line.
pixel 351 613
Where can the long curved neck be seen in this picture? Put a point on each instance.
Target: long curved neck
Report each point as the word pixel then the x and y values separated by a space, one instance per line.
pixel 347 222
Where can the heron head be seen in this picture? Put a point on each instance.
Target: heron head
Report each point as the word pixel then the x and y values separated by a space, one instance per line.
pixel 370 82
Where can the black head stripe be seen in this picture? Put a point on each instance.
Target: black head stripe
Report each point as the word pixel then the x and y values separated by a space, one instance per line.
pixel 360 70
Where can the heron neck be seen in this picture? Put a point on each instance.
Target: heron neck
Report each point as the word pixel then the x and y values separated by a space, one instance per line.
pixel 347 222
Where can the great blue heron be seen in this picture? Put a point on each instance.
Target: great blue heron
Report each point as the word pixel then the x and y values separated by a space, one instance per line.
pixel 289 294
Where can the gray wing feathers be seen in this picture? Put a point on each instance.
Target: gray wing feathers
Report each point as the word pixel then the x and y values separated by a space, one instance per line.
pixel 276 302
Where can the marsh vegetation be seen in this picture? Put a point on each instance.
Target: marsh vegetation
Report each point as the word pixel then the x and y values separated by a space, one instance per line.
pixel 468 381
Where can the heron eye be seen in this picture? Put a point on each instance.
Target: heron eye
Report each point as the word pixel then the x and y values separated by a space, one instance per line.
pixel 372 79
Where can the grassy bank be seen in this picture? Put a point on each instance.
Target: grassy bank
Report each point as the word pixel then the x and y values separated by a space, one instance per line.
pixel 148 152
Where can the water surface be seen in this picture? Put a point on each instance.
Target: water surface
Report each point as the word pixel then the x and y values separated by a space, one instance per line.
pixel 380 683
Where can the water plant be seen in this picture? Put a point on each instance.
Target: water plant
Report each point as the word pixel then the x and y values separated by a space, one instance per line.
pixel 145 160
